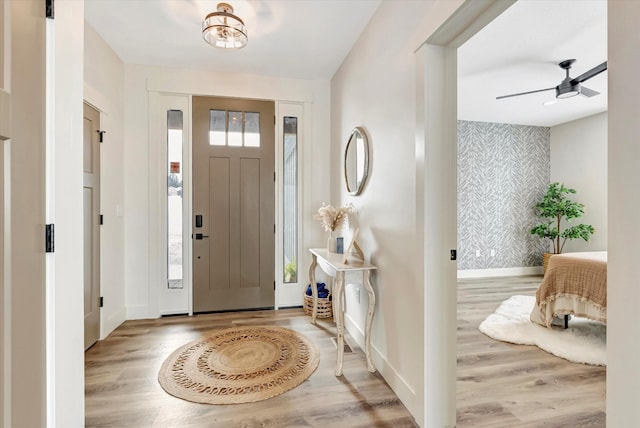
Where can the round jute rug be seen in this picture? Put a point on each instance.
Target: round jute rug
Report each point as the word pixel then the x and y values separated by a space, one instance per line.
pixel 239 365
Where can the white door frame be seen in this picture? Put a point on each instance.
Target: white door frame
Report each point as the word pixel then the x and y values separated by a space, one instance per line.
pixel 161 300
pixel 288 294
pixel 169 301
pixel 436 204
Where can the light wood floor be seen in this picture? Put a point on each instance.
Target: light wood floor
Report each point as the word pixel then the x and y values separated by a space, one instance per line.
pixel 504 385
pixel 499 385
pixel 122 389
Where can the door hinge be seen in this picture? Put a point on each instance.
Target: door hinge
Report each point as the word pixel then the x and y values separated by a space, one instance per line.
pixel 274 228
pixel 274 285
pixel 274 176
pixel 101 219
pixel 101 133
pixel 101 301
pixel 454 255
pixel 274 120
pixel 48 238
pixel 49 9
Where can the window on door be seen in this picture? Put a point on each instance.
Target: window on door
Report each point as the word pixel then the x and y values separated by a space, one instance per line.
pixel 234 128
pixel 174 198
pixel 290 199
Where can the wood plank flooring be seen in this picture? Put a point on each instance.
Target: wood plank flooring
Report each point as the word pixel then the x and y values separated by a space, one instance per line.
pixel 122 389
pixel 505 385
pixel 499 384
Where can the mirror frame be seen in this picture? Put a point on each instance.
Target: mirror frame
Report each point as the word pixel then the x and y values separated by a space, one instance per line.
pixel 357 132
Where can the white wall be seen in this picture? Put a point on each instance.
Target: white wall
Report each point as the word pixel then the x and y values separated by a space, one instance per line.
pixel 65 303
pixel 579 160
pixel 141 291
pixel 375 88
pixel 623 330
pixel 104 89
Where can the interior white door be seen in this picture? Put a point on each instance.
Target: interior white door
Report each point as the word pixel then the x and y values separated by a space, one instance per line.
pixel 91 209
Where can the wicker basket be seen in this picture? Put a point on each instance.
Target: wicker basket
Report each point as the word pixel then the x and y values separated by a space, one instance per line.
pixel 324 306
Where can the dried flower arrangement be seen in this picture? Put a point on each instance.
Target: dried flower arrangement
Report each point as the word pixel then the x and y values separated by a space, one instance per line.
pixel 333 218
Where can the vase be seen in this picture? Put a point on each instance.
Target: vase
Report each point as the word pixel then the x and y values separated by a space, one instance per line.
pixel 331 243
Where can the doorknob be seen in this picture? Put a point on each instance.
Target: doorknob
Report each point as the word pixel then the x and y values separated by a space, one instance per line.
pixel 199 236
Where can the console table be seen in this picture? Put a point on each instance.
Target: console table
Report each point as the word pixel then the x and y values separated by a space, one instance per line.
pixel 332 264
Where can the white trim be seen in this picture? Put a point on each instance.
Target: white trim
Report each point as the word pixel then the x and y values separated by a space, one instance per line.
pixel 436 147
pixel 289 294
pixel 137 312
pixel 203 82
pixel 50 209
pixel 487 273
pixel 168 301
pixel 109 324
pixel 6 316
pixel 187 182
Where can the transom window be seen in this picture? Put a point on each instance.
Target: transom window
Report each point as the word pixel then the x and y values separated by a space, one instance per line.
pixel 234 128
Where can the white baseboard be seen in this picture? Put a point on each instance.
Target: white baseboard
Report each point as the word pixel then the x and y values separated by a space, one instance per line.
pixel 138 312
pixel 487 273
pixel 402 389
pixel 112 322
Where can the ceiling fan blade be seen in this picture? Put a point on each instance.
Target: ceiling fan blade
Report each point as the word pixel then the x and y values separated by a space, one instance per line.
pixel 586 92
pixel 589 74
pixel 523 93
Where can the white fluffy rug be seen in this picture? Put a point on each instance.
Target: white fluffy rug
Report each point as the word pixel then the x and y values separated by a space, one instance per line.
pixel 583 342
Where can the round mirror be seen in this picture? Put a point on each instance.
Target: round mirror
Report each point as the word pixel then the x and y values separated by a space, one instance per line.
pixel 356 161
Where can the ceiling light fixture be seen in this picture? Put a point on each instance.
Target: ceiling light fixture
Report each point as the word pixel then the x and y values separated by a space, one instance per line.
pixel 223 29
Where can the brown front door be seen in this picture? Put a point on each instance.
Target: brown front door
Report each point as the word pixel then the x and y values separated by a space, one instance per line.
pixel 91 196
pixel 233 204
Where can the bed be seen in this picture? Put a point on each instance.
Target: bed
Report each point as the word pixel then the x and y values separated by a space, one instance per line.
pixel 574 284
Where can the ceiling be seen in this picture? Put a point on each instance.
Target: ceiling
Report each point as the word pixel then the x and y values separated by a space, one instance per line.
pixel 308 39
pixel 519 51
pixel 304 39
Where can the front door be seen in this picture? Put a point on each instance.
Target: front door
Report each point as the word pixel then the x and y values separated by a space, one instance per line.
pixel 91 196
pixel 233 204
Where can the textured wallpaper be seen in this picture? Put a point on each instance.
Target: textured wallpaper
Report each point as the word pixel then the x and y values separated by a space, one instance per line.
pixel 503 171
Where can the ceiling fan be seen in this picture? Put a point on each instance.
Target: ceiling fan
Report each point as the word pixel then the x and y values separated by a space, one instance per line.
pixel 569 87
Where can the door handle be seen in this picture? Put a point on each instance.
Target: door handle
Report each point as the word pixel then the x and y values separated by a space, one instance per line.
pixel 200 236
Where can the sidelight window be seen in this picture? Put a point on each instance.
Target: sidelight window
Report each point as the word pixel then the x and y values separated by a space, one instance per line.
pixel 290 199
pixel 174 198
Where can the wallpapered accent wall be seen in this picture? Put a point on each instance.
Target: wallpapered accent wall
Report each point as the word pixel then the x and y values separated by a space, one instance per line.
pixel 503 171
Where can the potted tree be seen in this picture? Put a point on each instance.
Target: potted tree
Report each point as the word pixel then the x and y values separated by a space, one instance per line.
pixel 556 205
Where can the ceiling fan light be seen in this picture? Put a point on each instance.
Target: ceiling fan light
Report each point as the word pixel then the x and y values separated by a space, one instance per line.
pixel 223 29
pixel 567 91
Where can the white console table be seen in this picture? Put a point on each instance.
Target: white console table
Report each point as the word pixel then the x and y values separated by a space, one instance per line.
pixel 332 264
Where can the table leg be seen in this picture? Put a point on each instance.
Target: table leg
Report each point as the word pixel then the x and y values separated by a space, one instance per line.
pixel 314 289
pixel 369 322
pixel 339 319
